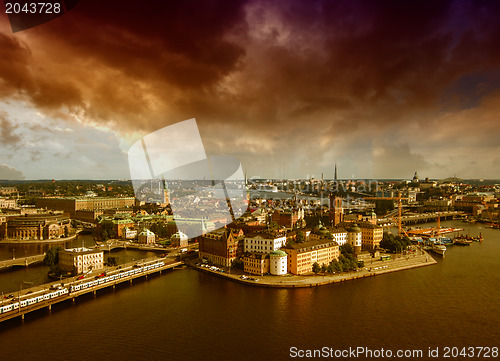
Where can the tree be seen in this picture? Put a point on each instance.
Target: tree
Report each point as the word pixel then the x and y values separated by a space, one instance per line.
pixel 347 249
pixel 395 243
pixel 316 267
pixel 237 264
pixel 112 261
pixel 52 257
pixel 324 267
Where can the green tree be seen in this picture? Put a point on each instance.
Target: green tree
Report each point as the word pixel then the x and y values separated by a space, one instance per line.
pixel 324 267
pixel 316 267
pixel 52 257
pixel 112 261
pixel 237 264
pixel 347 249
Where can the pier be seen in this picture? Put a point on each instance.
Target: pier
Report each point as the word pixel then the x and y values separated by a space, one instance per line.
pixel 46 295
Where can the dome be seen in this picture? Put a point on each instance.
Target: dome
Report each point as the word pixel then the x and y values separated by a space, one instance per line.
pixel 278 253
pixel 354 228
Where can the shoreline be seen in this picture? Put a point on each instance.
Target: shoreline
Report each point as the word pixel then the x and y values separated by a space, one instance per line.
pixel 38 241
pixel 307 281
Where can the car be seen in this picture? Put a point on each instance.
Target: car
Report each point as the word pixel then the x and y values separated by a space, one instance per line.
pixel 81 277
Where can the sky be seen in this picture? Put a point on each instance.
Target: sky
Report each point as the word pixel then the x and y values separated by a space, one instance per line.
pixel 291 87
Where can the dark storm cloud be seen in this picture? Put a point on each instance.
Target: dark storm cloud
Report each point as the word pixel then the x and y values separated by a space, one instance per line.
pixel 267 77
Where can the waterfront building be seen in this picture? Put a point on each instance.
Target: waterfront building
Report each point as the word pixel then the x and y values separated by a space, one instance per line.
pixel 264 242
pixel 354 237
pixel 278 263
pixel 129 233
pixel 81 260
pixel 255 263
pixel 371 235
pixel 35 227
pixel 301 256
pixel 219 247
pixel 467 202
pixel 179 239
pixel 146 237
pixel 72 204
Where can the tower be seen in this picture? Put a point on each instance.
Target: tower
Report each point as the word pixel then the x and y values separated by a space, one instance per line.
pixel 336 210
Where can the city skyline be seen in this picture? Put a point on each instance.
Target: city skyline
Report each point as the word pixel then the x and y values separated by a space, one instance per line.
pixel 289 88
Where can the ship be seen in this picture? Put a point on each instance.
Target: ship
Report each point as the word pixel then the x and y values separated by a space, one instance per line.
pixel 438 248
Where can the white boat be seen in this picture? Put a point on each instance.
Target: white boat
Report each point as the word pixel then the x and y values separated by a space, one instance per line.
pixel 438 249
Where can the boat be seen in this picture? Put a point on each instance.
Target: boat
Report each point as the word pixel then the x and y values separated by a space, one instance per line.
pixel 462 242
pixel 438 248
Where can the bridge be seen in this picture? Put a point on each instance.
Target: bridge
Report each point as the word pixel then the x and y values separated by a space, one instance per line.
pixel 110 245
pixel 22 261
pixel 45 289
pixel 418 218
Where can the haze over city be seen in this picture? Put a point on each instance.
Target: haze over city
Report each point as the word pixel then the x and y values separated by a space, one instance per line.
pixel 288 87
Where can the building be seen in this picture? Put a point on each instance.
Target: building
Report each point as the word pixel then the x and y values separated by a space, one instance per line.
pixel 8 191
pixel 371 235
pixel 72 204
pixel 179 240
pixel 336 210
pixel 8 203
pixel 278 263
pixel 354 237
pixel 339 235
pixel 287 218
pixel 129 233
pixel 301 256
pixel 81 260
pixel 256 263
pixel 264 242
pixel 146 237
pixel 88 215
pixel 36 227
pixel 219 247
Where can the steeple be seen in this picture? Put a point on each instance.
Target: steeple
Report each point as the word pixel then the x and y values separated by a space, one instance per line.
pixel 335 176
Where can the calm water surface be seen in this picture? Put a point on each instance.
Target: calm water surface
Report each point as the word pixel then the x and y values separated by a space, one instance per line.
pixel 187 315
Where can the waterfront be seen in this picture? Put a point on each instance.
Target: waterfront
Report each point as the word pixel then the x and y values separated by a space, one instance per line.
pixel 187 315
pixel 11 279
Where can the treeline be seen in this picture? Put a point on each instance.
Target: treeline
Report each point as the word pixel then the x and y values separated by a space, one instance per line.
pixel 347 262
pixel 394 243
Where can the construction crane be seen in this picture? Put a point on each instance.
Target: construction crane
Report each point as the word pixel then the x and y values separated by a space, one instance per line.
pixel 398 198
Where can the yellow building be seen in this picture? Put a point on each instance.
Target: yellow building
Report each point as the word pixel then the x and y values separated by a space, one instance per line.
pixel 81 260
pixel 301 256
pixel 256 263
pixel 371 235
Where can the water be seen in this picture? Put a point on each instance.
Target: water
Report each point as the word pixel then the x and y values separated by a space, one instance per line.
pixel 187 315
pixel 15 278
